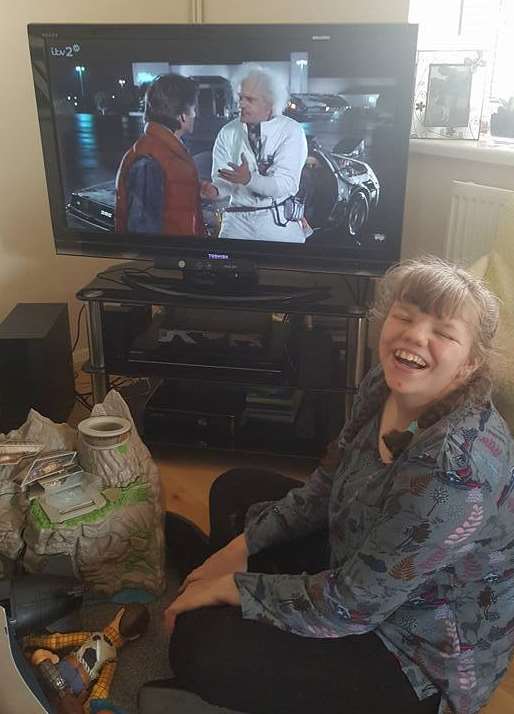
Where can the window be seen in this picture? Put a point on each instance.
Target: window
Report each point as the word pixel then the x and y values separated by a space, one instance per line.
pixel 486 25
pixel 502 85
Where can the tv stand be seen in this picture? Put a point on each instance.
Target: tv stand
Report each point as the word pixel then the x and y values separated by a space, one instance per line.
pixel 220 291
pixel 212 273
pixel 215 278
pixel 201 346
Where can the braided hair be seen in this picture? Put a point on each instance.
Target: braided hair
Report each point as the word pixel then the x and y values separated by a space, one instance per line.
pixel 437 287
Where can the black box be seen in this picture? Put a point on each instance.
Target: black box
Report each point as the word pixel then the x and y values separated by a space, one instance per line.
pixel 121 324
pixel 185 413
pixel 36 366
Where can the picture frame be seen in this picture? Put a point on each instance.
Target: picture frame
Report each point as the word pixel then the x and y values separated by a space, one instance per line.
pixel 449 95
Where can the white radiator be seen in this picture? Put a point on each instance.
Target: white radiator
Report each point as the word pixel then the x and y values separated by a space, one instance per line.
pixel 474 214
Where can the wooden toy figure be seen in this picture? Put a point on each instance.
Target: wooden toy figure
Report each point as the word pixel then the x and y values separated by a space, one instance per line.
pixel 79 682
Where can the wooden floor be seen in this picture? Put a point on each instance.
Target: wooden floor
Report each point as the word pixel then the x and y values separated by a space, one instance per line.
pixel 187 476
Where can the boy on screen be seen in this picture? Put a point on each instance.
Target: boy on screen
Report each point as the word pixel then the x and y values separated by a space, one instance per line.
pixel 157 185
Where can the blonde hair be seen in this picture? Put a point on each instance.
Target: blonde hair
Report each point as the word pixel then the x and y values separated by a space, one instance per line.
pixel 446 290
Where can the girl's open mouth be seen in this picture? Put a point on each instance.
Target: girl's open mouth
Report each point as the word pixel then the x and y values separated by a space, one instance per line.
pixel 409 359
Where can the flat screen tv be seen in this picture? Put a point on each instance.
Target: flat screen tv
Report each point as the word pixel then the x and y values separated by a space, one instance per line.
pixel 315 181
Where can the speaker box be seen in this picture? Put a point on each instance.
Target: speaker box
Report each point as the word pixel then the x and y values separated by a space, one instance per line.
pixel 36 367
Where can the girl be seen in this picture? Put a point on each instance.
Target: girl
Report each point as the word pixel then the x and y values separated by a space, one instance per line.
pixel 385 582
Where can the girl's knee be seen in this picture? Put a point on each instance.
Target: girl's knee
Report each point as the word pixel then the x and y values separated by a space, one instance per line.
pixel 186 637
pixel 227 482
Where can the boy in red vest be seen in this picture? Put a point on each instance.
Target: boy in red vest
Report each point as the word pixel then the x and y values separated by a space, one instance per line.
pixel 157 184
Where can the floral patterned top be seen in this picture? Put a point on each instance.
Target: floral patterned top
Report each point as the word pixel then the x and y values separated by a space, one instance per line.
pixel 422 552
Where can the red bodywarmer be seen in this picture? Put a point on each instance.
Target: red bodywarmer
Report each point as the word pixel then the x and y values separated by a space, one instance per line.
pixel 182 214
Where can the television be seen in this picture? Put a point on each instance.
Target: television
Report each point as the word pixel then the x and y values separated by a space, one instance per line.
pixel 346 98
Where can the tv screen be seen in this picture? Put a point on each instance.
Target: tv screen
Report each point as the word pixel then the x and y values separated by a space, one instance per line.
pixel 284 144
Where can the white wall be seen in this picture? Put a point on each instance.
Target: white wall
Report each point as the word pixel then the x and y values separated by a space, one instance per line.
pixel 306 11
pixel 29 269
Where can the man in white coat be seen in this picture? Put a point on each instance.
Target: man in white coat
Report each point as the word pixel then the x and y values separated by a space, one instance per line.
pixel 257 161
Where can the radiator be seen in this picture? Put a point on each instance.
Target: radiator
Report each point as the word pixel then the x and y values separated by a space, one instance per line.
pixel 474 215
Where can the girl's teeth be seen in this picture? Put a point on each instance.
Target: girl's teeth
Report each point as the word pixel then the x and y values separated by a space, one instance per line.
pixel 407 356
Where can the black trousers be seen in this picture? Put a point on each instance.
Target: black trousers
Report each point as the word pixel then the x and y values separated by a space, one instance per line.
pixel 254 667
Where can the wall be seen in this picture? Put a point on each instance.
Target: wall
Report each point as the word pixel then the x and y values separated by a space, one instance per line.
pixel 306 11
pixel 29 269
pixel 428 197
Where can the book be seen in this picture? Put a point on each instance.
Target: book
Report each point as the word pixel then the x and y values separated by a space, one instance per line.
pixel 275 396
pixel 279 417
pixel 282 411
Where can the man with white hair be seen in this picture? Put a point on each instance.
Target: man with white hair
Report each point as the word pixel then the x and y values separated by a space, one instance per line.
pixel 257 161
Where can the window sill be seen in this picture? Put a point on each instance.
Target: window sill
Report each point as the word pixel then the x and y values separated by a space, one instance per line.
pixel 486 151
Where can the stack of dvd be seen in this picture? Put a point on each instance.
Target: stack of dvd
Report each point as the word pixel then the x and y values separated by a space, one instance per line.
pixel 277 404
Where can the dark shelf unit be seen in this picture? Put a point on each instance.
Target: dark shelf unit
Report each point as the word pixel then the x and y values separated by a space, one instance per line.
pixel 202 400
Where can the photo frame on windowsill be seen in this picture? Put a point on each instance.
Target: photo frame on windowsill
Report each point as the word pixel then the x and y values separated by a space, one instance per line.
pixel 449 95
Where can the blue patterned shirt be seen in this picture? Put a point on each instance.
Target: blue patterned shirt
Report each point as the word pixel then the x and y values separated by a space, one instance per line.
pixel 422 552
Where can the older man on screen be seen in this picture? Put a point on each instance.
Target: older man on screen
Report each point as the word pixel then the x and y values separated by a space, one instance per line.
pixel 257 163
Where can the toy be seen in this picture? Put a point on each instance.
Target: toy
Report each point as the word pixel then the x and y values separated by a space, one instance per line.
pixel 77 681
pixel 61 486
pixel 13 452
pixel 29 603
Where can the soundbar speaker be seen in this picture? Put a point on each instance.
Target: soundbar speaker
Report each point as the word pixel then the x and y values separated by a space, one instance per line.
pixel 36 367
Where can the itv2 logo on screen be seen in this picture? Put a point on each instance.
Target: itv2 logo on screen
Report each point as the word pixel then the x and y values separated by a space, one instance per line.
pixel 68 51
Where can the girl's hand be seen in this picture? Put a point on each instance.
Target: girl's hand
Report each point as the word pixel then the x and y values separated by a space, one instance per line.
pixel 203 593
pixel 233 558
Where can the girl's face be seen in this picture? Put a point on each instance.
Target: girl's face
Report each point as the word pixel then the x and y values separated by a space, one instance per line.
pixel 424 357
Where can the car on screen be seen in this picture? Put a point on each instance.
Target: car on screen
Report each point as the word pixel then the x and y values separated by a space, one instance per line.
pixel 303 107
pixel 92 207
pixel 339 191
